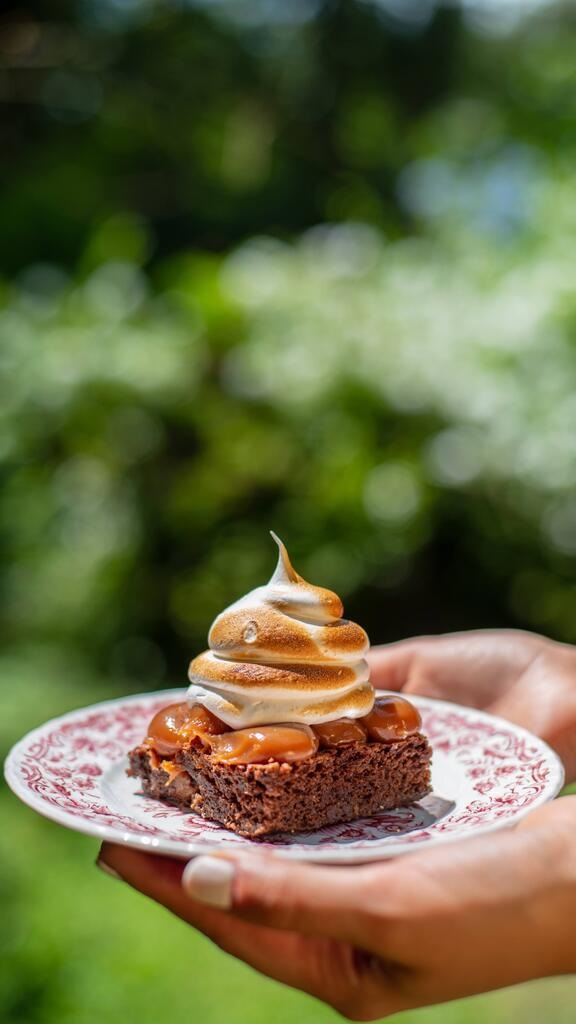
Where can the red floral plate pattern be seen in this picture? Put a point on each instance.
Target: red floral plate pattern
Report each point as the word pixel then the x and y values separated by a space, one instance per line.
pixel 487 774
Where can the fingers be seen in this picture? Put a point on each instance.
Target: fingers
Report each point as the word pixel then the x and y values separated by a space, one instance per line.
pixel 262 889
pixel 471 667
pixel 334 971
pixel 160 879
pixel 313 900
pixel 391 665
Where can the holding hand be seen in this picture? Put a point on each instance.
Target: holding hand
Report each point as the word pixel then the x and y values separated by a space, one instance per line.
pixel 523 677
pixel 371 941
pixel 435 925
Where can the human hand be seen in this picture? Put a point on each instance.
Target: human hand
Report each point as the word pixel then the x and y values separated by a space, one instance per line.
pixel 522 676
pixel 375 940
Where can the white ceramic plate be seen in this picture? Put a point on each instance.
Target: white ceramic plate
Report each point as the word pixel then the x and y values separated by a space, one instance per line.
pixel 486 773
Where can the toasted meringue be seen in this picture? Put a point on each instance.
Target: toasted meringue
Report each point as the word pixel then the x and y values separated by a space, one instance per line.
pixel 283 653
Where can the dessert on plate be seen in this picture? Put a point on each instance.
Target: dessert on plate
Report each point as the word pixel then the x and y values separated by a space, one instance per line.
pixel 281 730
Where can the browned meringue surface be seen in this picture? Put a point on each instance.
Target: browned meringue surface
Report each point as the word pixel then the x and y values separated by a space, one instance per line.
pixel 283 653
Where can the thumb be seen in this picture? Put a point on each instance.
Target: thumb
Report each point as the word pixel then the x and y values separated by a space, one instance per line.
pixel 270 890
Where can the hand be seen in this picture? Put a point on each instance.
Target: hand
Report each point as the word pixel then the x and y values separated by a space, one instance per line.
pixel 372 941
pixel 524 677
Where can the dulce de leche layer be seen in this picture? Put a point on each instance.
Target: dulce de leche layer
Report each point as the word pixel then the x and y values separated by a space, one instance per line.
pixel 392 718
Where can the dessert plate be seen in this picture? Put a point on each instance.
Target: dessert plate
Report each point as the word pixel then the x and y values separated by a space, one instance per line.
pixel 486 773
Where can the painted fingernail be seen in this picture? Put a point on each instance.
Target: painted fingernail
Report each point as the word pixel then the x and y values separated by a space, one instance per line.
pixel 107 869
pixel 209 880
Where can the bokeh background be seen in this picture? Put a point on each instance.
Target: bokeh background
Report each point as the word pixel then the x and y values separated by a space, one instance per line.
pixel 295 264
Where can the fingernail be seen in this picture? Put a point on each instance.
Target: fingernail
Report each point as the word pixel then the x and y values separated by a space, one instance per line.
pixel 209 880
pixel 107 869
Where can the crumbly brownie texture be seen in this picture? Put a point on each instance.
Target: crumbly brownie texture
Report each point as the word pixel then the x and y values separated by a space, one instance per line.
pixel 332 786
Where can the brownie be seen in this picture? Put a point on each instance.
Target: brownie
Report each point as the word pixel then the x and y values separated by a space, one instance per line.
pixel 334 785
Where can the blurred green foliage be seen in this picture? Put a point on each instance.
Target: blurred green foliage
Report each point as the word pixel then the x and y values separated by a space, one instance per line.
pixel 306 266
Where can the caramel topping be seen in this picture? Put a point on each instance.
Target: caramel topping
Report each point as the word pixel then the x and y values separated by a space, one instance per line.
pixel 264 743
pixel 340 732
pixel 174 725
pixel 172 770
pixel 392 718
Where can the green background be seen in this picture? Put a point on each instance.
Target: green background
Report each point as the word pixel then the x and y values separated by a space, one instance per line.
pixel 306 266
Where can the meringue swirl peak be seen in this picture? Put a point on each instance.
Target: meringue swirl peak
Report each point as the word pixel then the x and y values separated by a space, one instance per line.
pixel 283 653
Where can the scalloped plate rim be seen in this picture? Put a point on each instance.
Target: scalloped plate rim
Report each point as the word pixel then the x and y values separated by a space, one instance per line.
pixel 345 854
